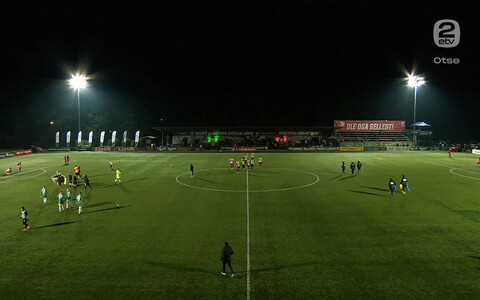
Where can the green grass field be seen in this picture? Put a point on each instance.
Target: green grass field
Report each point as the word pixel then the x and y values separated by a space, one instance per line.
pixel 309 232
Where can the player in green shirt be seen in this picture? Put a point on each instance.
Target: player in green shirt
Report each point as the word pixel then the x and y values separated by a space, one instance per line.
pixel 80 202
pixel 68 198
pixel 44 194
pixel 60 201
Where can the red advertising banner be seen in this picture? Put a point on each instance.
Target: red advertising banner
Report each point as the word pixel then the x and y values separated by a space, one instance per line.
pixel 22 152
pixel 369 126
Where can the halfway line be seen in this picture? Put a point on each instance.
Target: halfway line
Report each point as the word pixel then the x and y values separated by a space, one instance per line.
pixel 248 243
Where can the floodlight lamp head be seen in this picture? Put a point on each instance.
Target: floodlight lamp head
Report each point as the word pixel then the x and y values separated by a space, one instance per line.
pixel 78 82
pixel 415 81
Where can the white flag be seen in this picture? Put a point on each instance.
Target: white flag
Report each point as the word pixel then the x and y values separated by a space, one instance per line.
pixel 114 136
pixel 90 139
pixel 68 139
pixel 102 138
pixel 57 138
pixel 79 140
pixel 137 138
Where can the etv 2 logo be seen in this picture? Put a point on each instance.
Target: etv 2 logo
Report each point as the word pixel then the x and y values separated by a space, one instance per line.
pixel 446 33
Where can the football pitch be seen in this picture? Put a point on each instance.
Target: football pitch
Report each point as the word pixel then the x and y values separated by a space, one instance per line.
pixel 300 228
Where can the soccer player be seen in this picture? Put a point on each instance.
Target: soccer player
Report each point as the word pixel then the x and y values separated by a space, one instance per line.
pixel 392 186
pixel 260 161
pixel 478 162
pixel 243 163
pixel 118 174
pixel 68 198
pixel 359 166
pixel 70 180
pixel 191 170
pixel 450 153
pixel 343 167
pixel 248 163
pixel 75 182
pixel 68 159
pixel 44 194
pixel 24 217
pixel 9 170
pixel 238 166
pixel 19 166
pixel 226 257
pixel 60 201
pixel 110 164
pixel 404 184
pixel 253 155
pixel 77 171
pixel 252 162
pixel 79 202
pixel 352 167
pixel 231 163
pixel 86 181
pixel 65 160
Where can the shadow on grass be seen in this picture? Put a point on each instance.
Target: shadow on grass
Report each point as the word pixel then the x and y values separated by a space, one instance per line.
pixel 178 267
pixel 375 188
pixel 284 267
pixel 103 209
pixel 476 257
pixel 367 193
pixel 335 177
pixel 349 177
pixel 55 224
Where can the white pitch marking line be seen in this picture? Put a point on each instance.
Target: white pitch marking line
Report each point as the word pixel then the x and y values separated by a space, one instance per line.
pixel 248 242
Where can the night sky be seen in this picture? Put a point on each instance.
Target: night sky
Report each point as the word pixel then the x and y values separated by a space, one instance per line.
pixel 298 65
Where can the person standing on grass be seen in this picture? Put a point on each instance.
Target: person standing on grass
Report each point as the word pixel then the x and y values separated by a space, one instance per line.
pixel 478 162
pixel 24 217
pixel 450 153
pixel 118 175
pixel 260 161
pixel 68 198
pixel 75 182
pixel 404 184
pixel 86 181
pixel 19 166
pixel 191 170
pixel 60 201
pixel 226 258
pixel 343 167
pixel 359 166
pixel 44 194
pixel 80 202
pixel 352 167
pixel 392 186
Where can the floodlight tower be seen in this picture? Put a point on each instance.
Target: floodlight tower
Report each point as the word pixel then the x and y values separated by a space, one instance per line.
pixel 415 82
pixel 78 82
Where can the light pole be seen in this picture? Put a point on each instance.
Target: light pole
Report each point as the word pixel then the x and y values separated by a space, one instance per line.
pixel 78 82
pixel 415 82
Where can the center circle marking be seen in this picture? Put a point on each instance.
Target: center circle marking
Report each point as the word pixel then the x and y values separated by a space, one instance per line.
pixel 317 179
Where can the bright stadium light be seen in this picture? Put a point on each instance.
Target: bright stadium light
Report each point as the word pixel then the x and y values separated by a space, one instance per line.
pixel 78 82
pixel 415 82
